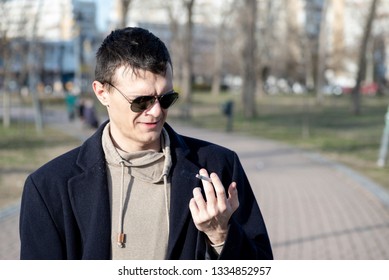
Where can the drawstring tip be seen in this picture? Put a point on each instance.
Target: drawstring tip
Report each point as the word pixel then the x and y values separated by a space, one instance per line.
pixel 120 240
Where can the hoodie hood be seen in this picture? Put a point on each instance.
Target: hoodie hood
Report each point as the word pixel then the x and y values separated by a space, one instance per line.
pixel 143 165
pixel 147 166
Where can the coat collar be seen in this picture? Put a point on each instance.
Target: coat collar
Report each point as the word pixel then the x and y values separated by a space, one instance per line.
pixel 182 185
pixel 90 197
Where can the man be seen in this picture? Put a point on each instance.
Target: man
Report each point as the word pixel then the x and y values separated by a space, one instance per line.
pixel 131 191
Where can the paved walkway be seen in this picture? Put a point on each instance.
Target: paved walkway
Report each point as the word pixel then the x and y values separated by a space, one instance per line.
pixel 313 208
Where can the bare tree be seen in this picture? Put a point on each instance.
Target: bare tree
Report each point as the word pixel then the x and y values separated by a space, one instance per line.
pixel 218 61
pixel 338 40
pixel 124 6
pixel 11 48
pixel 5 54
pixel 33 79
pixel 225 13
pixel 293 41
pixel 266 43
pixel 175 42
pixel 249 19
pixel 321 53
pixel 362 58
pixel 25 46
pixel 315 43
pixel 187 70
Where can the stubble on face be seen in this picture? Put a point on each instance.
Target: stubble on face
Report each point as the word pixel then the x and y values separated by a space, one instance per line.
pixel 138 131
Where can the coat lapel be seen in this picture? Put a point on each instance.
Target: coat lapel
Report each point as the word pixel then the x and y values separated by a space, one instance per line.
pixel 182 184
pixel 89 197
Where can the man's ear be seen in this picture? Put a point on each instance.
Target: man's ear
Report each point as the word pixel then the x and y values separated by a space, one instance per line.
pixel 101 93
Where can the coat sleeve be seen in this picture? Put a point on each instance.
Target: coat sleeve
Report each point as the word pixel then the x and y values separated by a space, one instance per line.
pixel 39 237
pixel 247 236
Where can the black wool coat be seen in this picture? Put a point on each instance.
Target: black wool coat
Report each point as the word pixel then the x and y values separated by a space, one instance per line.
pixel 65 208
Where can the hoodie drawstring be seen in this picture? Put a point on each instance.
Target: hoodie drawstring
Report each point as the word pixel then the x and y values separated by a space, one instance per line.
pixel 121 235
pixel 165 143
pixel 166 201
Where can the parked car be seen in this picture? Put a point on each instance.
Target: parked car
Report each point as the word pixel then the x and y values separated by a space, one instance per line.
pixel 366 89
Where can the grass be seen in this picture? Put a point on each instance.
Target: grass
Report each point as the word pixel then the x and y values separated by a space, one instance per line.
pixel 329 128
pixel 23 150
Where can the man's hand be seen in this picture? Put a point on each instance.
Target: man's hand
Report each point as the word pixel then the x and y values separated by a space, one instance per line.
pixel 211 216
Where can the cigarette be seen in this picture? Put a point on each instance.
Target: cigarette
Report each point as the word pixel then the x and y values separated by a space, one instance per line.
pixel 201 177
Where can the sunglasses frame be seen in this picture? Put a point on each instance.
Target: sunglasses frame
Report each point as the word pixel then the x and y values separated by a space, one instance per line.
pixel 151 100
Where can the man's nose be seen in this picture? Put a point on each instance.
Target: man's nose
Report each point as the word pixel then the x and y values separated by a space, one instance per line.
pixel 155 108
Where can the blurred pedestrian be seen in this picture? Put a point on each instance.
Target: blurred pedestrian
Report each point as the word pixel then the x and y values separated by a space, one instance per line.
pixel 71 101
pixel 81 107
pixel 89 112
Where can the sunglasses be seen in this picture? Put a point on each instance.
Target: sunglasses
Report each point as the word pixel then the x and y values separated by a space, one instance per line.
pixel 142 103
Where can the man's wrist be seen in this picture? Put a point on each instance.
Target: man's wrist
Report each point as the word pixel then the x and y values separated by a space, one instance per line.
pixel 217 245
pixel 217 239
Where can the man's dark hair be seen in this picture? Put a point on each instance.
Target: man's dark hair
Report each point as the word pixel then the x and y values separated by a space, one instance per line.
pixel 133 47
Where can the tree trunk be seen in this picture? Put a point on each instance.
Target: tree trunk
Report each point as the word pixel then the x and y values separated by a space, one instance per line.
pixel 6 94
pixel 5 53
pixel 32 71
pixel 187 61
pixel 362 59
pixel 124 12
pixel 6 109
pixel 249 17
pixel 218 63
pixel 321 54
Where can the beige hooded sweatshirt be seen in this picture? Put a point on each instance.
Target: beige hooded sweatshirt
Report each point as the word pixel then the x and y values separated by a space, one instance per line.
pixel 140 200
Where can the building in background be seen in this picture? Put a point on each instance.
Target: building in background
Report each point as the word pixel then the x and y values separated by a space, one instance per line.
pixel 54 39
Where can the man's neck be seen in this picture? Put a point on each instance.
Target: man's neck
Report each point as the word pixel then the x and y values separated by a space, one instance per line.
pixel 133 147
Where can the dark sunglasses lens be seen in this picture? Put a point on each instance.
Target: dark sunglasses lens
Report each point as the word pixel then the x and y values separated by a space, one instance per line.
pixel 141 103
pixel 168 99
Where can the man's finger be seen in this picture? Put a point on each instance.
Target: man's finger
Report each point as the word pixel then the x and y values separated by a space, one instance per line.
pixel 194 209
pixel 233 198
pixel 209 190
pixel 219 188
pixel 199 199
